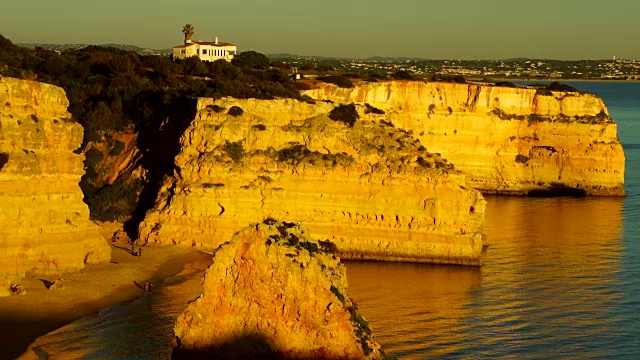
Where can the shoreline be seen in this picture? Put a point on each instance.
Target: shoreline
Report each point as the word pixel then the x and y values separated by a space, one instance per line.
pixel 86 292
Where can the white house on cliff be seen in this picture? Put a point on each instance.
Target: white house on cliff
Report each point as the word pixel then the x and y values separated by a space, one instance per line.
pixel 205 50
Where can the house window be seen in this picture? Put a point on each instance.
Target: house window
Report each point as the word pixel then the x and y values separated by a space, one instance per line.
pixel 182 51
pixel 204 52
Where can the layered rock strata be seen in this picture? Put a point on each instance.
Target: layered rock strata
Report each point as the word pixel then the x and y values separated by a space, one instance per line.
pixel 274 292
pixel 44 225
pixel 508 140
pixel 370 188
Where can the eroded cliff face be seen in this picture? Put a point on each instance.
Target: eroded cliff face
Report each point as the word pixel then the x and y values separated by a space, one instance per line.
pixel 508 140
pixel 274 291
pixel 44 225
pixel 371 189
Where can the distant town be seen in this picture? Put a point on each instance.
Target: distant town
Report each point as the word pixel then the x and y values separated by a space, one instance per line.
pixel 524 69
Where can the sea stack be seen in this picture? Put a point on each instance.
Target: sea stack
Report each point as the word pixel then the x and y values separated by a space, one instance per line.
pixel 273 291
pixel 509 140
pixel 372 189
pixel 44 225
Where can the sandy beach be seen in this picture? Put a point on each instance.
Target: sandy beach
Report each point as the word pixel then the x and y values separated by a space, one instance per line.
pixel 52 301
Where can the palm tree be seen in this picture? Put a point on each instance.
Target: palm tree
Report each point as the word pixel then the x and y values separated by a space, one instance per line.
pixel 188 31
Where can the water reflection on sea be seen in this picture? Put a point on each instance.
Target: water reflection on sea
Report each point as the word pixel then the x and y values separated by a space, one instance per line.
pixel 549 287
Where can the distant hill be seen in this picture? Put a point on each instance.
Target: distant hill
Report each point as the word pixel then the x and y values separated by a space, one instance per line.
pixel 319 57
pixel 134 48
pixel 279 56
pixel 394 58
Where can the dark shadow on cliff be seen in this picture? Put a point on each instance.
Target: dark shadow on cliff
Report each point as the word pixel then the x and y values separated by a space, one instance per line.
pixel 159 143
pixel 250 346
pixel 557 190
pixel 4 159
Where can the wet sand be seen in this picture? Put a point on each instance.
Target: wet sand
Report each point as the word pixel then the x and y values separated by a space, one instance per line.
pixel 46 307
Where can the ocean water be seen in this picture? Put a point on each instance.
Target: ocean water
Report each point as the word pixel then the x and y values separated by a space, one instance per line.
pixel 561 279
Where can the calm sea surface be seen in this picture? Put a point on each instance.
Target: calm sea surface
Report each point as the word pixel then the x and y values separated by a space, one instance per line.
pixel 561 279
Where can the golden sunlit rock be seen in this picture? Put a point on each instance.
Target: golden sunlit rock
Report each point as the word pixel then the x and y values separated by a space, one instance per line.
pixel 44 225
pixel 370 188
pixel 508 140
pixel 274 291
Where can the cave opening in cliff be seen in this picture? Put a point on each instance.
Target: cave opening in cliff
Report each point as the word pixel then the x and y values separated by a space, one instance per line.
pixel 557 190
pixel 4 159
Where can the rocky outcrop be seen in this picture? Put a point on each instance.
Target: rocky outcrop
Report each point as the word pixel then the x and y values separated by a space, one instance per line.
pixel 274 291
pixel 508 140
pixel 370 188
pixel 44 225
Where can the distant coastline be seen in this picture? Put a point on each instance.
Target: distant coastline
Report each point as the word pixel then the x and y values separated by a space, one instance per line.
pixel 561 80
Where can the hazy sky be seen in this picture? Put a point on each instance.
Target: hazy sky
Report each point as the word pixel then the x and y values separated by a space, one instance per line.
pixel 453 29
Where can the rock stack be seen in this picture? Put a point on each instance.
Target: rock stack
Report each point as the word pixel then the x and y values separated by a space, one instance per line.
pixel 44 225
pixel 274 292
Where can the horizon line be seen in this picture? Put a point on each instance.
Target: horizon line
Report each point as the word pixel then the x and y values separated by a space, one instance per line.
pixel 405 58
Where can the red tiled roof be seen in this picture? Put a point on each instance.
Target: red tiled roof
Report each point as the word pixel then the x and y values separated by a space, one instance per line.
pixel 212 43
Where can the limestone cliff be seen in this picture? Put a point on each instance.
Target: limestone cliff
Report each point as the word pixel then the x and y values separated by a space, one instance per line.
pixel 274 291
pixel 370 188
pixel 508 140
pixel 44 225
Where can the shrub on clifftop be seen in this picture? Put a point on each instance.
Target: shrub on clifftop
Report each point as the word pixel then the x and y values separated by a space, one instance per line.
pixel 345 113
pixel 402 75
pixel 339 80
pixel 235 111
pixel 251 60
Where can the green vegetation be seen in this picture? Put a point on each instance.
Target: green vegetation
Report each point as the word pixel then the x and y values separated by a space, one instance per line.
pixel 297 154
pixel 188 30
pixel 251 60
pixel 547 89
pixel 544 92
pixel 373 110
pixel 117 149
pixel 339 80
pixel 289 239
pixel 557 86
pixel 505 84
pixel 459 79
pixel 522 159
pixel 113 202
pixel 345 113
pixel 93 157
pixel 215 108
pixel 328 246
pixel 235 111
pixel 402 75
pixel 337 293
pixel 234 150
pixel 293 154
